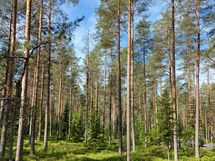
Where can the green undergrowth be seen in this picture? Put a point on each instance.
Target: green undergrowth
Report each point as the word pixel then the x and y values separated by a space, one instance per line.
pixel 99 151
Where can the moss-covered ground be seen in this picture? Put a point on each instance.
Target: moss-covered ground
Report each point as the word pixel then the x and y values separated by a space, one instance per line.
pixel 69 151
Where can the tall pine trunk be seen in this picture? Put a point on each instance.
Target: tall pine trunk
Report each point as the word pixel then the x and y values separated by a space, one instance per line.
pixel 7 104
pixel 45 141
pixel 128 109
pixel 197 81
pixel 104 107
pixel 36 81
pixel 110 100
pixel 144 98
pixel 41 102
pixel 119 80
pixel 22 114
pixel 87 92
pixel 173 86
pixel 60 103
pixel 132 83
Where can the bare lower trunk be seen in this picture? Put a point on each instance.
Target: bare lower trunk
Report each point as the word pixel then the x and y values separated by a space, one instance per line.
pixel 70 113
pixel 60 104
pixel 87 92
pixel 13 116
pixel 104 107
pixel 144 98
pixel 110 102
pixel 41 102
pixel 50 112
pixel 209 105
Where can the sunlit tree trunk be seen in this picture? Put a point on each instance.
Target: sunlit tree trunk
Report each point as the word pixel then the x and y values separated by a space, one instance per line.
pixel 132 83
pixel 104 106
pixel 60 103
pixel 197 81
pixel 119 81
pixel 173 86
pixel 45 140
pixel 20 137
pixel 110 100
pixel 128 109
pixel 36 80
pixel 209 105
pixel 144 97
pixel 87 91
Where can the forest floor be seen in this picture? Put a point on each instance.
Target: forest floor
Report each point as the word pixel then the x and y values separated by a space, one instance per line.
pixel 69 151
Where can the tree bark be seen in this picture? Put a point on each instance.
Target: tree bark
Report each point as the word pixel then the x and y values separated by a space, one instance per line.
pixel 41 101
pixel 119 80
pixel 104 107
pixel 36 81
pixel 132 82
pixel 87 92
pixel 128 109
pixel 45 142
pixel 70 112
pixel 51 111
pixel 145 97
pixel 7 105
pixel 110 100
pixel 173 86
pixel 197 81
pixel 60 103
pixel 16 105
pixel 209 104
pixel 20 137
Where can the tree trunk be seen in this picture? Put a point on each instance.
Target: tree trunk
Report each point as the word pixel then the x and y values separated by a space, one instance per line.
pixel 70 113
pixel 7 105
pixel 209 104
pixel 45 143
pixel 87 92
pixel 173 86
pixel 197 81
pixel 4 90
pixel 50 112
pixel 60 103
pixel 119 81
pixel 41 101
pixel 16 105
pixel 36 80
pixel 144 97
pixel 104 107
pixel 20 137
pixel 128 109
pixel 132 83
pixel 110 100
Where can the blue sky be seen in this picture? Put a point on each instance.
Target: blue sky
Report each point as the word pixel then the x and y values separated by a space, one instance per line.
pixel 87 8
